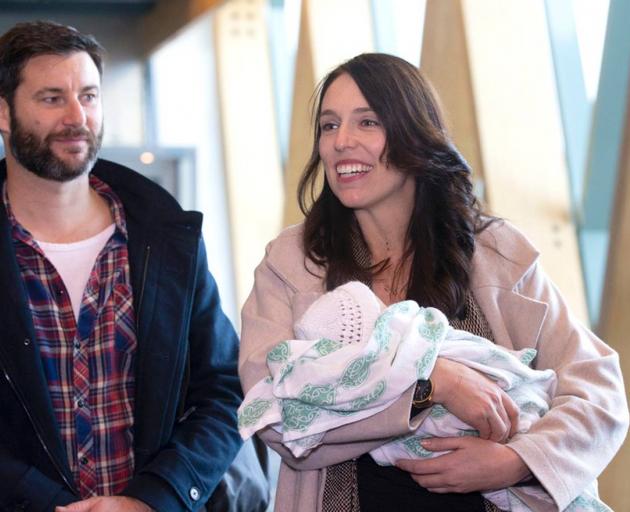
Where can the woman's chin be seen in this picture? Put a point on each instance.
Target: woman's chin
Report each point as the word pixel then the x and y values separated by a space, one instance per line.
pixel 354 203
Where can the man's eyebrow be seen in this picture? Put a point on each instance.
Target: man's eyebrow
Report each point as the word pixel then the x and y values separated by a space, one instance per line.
pixel 58 90
pixel 47 90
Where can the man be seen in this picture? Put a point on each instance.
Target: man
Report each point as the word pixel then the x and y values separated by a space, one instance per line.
pixel 118 385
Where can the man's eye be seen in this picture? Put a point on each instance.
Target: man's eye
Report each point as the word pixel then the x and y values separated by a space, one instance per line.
pixel 51 99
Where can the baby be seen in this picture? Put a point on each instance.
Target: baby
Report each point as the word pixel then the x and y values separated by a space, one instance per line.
pixel 353 357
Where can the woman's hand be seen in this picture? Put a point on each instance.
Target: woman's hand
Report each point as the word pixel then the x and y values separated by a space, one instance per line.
pixel 475 399
pixel 474 464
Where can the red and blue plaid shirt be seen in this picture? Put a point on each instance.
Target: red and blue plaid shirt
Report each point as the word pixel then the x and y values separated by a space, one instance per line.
pixel 88 363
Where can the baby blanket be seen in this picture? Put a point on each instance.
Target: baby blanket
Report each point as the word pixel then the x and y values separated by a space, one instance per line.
pixel 353 357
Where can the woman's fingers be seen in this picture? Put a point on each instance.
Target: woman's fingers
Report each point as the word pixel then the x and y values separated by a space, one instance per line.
pixel 497 428
pixel 505 423
pixel 472 464
pixel 512 410
pixel 484 428
pixel 475 399
pixel 501 432
pixel 499 409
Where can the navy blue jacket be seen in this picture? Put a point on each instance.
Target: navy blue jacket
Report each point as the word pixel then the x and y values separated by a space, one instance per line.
pixel 187 389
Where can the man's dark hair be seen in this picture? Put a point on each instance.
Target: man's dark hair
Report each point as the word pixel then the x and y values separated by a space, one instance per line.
pixel 27 40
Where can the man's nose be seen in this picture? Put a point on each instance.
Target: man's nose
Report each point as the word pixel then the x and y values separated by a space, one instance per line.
pixel 75 113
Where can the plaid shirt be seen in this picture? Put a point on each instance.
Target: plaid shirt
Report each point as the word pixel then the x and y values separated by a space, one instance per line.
pixel 88 363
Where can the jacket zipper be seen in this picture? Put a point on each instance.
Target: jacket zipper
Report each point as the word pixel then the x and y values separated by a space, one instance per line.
pixel 37 433
pixel 145 270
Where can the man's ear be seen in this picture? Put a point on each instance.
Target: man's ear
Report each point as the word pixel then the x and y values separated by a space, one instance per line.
pixel 5 116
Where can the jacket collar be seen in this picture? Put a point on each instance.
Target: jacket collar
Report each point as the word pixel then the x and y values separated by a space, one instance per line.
pixel 145 201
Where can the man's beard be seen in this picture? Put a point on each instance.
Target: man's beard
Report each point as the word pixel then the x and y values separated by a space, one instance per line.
pixel 35 154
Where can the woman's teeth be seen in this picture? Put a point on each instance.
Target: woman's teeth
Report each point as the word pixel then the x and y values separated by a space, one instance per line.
pixel 353 168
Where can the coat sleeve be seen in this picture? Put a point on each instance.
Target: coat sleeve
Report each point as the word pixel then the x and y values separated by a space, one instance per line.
pixel 572 444
pixel 18 481
pixel 205 439
pixel 267 319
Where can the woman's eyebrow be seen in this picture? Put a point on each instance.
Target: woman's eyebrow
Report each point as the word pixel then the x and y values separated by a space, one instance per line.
pixel 359 110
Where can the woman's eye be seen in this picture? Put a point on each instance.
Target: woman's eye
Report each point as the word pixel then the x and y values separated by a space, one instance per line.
pixel 325 127
pixel 369 122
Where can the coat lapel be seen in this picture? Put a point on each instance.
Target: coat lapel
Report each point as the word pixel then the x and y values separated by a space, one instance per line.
pixel 515 320
pixel 499 265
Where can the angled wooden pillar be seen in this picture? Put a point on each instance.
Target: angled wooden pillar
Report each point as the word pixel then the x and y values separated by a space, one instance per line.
pixel 445 62
pixel 250 144
pixel 170 16
pixel 614 324
pixel 330 32
pixel 513 100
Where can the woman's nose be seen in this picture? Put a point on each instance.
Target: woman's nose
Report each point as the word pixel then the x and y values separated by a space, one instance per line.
pixel 344 138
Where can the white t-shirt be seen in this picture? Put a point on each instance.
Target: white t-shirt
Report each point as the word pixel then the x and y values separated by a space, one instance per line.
pixel 74 262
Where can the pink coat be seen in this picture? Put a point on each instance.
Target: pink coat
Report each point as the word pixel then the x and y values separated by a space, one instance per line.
pixel 566 450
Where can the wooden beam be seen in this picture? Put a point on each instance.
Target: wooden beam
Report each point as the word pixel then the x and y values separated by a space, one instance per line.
pixel 250 144
pixel 168 17
pixel 330 32
pixel 518 136
pixel 614 323
pixel 301 134
pixel 445 62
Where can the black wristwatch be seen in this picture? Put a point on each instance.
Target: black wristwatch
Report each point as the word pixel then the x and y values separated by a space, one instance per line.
pixel 423 394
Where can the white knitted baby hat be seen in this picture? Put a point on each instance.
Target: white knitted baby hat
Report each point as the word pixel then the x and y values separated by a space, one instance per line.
pixel 346 314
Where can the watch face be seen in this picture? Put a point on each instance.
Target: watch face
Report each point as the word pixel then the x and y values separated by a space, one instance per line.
pixel 423 390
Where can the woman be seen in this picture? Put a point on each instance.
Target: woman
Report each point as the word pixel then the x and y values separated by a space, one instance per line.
pixel 397 212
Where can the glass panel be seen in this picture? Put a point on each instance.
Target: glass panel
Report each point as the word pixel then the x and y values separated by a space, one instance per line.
pixel 186 113
pixel 284 25
pixel 590 24
pixel 398 26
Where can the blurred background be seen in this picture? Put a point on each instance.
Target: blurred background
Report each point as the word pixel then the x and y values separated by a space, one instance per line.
pixel 212 100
